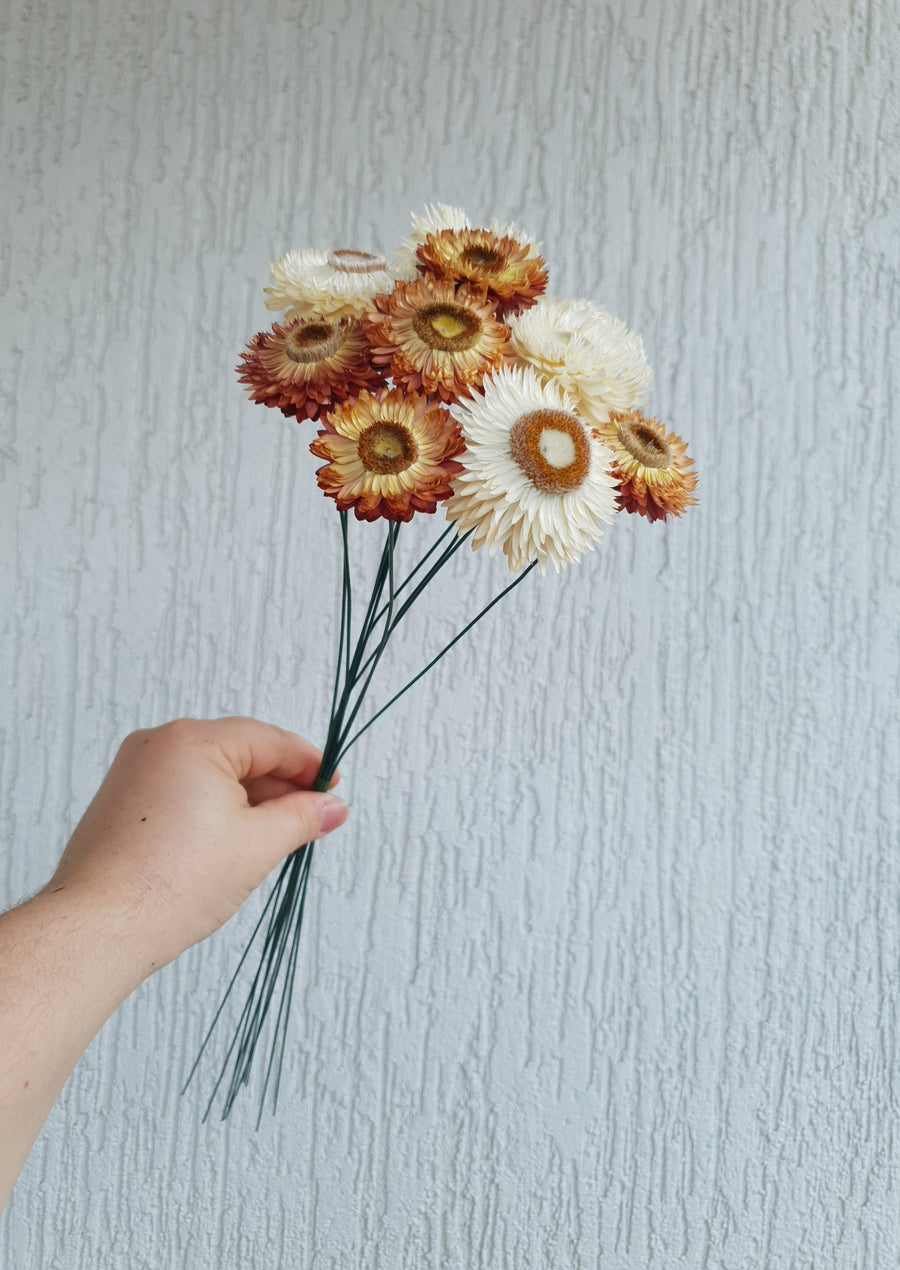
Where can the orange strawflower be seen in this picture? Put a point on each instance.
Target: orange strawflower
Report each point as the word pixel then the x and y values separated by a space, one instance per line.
pixel 430 335
pixel 508 269
pixel 651 467
pixel 434 336
pixel 390 454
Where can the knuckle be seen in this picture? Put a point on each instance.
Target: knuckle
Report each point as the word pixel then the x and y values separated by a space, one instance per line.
pixel 134 741
pixel 178 729
pixel 175 732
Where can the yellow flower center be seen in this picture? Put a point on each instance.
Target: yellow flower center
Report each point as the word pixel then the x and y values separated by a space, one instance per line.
pixel 482 259
pixel 347 261
pixel 551 448
pixel 313 341
pixel 644 442
pixel 446 327
pixel 387 448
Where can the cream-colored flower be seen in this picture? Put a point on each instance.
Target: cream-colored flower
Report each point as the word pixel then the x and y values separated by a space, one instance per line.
pixel 535 480
pixel 331 284
pixel 587 351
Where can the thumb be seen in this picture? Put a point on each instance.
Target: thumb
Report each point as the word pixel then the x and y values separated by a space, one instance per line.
pixel 286 823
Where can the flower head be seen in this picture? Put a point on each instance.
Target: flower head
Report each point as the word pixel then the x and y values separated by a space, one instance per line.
pixel 389 454
pixel 433 218
pixel 434 336
pixel 651 468
pixel 332 284
pixel 590 353
pixel 535 480
pixel 303 367
pixel 508 269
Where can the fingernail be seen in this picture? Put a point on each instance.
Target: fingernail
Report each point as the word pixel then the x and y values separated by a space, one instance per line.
pixel 334 812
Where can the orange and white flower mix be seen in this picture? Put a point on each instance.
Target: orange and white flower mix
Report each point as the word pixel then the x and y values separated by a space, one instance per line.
pixel 451 336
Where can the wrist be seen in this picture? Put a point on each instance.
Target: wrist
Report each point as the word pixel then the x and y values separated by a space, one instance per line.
pixel 97 934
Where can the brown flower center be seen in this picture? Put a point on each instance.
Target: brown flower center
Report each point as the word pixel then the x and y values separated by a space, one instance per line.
pixel 551 448
pixel 644 442
pixel 449 328
pixel 482 259
pixel 313 341
pixel 347 261
pixel 387 448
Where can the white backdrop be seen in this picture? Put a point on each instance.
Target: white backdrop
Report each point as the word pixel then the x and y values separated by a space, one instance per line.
pixel 604 969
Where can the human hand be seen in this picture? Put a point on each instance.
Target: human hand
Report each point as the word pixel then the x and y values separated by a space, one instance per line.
pixel 187 823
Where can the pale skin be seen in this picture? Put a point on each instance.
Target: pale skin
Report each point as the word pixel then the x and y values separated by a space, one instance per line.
pixel 189 820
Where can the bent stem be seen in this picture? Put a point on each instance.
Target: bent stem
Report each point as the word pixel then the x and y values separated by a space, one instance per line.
pixel 282 916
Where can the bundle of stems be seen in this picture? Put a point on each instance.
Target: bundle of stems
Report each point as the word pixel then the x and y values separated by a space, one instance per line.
pixel 281 921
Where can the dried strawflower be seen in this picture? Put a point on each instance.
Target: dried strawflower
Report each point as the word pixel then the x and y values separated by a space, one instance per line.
pixel 431 220
pixel 302 368
pixel 331 284
pixel 535 480
pixel 650 466
pixel 389 454
pixel 508 269
pixel 433 336
pixel 590 353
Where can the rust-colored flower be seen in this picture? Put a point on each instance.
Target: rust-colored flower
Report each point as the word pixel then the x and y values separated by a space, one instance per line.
pixel 507 268
pixel 434 336
pixel 304 367
pixel 652 469
pixel 390 454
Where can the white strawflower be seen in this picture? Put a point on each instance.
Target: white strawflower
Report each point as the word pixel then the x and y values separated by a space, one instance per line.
pixel 332 284
pixel 535 480
pixel 587 351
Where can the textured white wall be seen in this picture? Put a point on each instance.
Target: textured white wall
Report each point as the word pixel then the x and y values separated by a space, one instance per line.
pixel 605 969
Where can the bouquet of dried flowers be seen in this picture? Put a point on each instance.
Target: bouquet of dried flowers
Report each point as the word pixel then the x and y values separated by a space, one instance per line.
pixel 441 375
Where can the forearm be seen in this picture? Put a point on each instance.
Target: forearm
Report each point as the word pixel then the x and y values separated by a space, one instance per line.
pixel 67 963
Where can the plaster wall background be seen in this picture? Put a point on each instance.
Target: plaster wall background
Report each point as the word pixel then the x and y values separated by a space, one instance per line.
pixel 604 969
